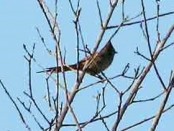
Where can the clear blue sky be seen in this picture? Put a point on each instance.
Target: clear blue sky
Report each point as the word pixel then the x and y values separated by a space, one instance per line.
pixel 18 22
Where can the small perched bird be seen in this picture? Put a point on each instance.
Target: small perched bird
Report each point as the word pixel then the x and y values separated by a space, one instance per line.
pixel 95 63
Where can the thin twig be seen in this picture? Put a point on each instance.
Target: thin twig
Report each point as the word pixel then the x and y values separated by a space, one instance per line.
pixel 16 106
pixel 141 21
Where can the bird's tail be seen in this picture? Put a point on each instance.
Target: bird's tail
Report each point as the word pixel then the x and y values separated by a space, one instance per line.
pixel 58 69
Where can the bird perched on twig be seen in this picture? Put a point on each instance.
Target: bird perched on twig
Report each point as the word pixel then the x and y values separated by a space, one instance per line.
pixel 95 63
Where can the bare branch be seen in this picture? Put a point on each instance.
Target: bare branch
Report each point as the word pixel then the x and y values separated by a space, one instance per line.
pixel 16 106
pixel 141 78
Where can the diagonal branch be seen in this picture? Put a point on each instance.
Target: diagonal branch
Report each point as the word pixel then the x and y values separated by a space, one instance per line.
pixel 141 78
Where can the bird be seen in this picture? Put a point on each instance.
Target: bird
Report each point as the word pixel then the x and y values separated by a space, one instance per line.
pixel 96 63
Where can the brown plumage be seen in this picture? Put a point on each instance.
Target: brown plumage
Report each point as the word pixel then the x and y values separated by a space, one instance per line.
pixel 96 64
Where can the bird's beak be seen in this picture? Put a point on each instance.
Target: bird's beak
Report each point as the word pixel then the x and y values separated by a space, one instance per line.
pixel 116 52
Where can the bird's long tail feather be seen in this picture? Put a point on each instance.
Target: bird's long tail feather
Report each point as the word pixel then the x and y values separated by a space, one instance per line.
pixel 58 69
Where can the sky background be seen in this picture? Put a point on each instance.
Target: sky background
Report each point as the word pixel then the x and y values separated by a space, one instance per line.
pixel 18 22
